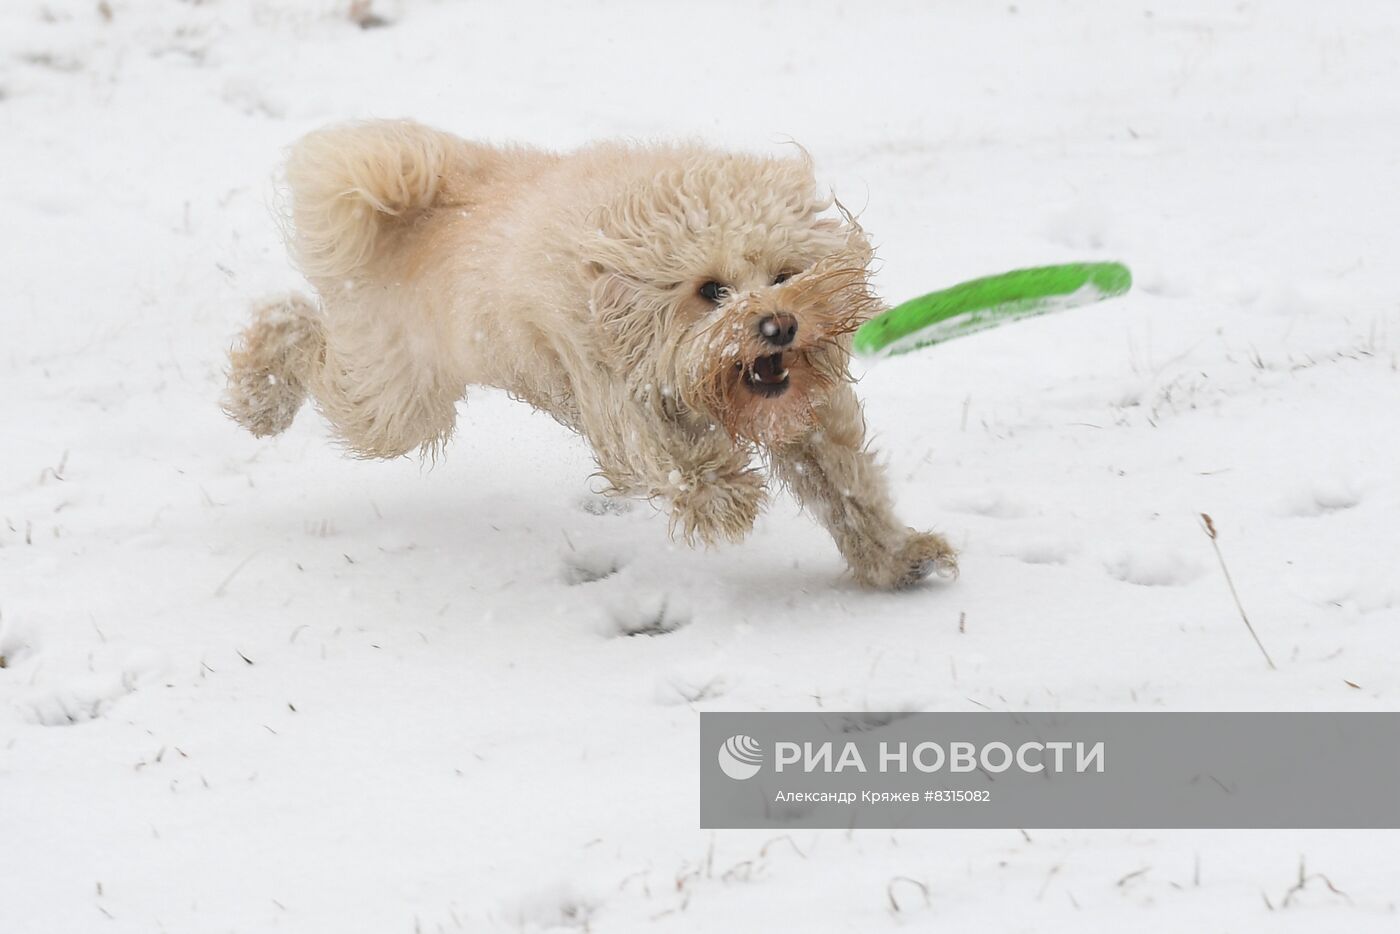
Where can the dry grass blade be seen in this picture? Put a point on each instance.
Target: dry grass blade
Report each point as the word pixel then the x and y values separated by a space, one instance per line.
pixel 1136 873
pixel 1211 533
pixel 894 902
pixel 1304 878
pixel 785 838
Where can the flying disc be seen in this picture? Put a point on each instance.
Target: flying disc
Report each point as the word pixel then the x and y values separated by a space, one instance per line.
pixel 988 303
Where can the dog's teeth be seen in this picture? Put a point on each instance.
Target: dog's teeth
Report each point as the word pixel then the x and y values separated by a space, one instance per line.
pixel 755 377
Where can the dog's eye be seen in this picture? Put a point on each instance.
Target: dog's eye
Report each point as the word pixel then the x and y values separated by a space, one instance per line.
pixel 713 291
pixel 782 277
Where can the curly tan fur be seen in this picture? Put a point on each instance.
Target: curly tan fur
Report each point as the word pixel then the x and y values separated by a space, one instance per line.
pixel 271 362
pixel 575 283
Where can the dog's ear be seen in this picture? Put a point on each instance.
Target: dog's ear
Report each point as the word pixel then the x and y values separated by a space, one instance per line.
pixel 843 234
pixel 614 303
pixel 608 296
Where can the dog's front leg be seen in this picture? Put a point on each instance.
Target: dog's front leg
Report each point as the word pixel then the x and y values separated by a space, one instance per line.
pixel 834 477
pixel 713 492
pixel 715 497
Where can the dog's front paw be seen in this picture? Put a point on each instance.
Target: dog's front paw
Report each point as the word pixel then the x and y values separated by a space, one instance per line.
pixel 924 553
pixel 908 562
pixel 716 509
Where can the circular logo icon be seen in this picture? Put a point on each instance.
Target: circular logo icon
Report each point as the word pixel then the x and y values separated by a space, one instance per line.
pixel 740 757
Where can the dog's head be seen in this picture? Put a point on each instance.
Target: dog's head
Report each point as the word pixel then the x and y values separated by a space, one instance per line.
pixel 727 289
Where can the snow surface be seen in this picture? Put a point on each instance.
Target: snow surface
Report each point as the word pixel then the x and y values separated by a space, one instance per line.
pixel 258 686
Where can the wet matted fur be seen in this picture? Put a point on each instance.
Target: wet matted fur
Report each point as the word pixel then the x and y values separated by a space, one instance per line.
pixel 687 311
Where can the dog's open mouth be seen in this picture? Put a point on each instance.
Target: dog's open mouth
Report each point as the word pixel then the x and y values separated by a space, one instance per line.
pixel 767 376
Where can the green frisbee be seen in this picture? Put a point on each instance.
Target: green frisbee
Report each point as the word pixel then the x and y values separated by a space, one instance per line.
pixel 987 303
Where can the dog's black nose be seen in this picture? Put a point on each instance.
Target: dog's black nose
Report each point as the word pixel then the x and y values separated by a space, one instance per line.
pixel 779 329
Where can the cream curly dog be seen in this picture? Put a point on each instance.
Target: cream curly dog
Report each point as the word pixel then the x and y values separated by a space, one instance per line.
pixel 687 311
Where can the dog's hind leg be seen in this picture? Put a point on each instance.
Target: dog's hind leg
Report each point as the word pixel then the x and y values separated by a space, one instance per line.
pixel 272 364
pixel 382 398
pixel 384 389
pixel 838 480
pixel 365 225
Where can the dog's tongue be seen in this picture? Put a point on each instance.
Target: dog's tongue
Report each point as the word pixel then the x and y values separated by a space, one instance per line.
pixel 770 369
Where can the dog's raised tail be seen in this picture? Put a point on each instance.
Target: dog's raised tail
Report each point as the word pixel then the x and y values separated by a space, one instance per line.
pixel 272 364
pixel 348 182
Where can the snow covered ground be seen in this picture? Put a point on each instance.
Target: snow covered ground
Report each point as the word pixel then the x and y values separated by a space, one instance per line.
pixel 257 686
